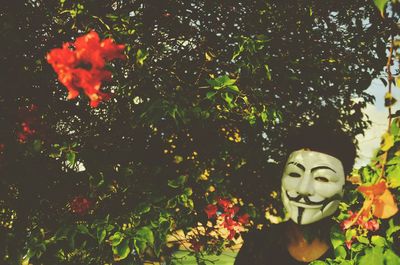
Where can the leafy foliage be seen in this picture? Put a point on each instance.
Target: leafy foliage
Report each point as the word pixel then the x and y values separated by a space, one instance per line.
pixel 198 110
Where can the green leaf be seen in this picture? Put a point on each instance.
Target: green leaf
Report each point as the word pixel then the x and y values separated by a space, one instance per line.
pixel 337 236
pixel 395 126
pixel 391 258
pixel 363 239
pixel 378 241
pixel 373 256
pixel 238 52
pixel 267 72
pixel 37 145
pixel 164 227
pixel 387 142
pixel 101 235
pixel 211 94
pixel 394 161
pixel 346 262
pixel 116 239
pixel 380 4
pixel 71 156
pixel 176 183
pixel 141 56
pixel 83 229
pixel 140 245
pixel 264 116
pixel 189 204
pixel 221 81
pixel 234 88
pixel 121 251
pixel 225 80
pixel 350 233
pixel 357 247
pixel 183 199
pixel 213 83
pixel 71 240
pixel 393 176
pixel 146 234
pixel 228 98
pixel 143 208
pixel 340 251
pixel 318 262
pixel 171 203
pixel 188 191
pixel 392 229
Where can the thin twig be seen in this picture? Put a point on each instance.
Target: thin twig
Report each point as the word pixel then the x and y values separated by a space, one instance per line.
pixel 390 78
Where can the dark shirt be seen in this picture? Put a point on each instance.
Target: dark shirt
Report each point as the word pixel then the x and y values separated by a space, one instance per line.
pixel 268 246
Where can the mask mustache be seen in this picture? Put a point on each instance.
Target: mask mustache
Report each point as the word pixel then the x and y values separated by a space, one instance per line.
pixel 305 198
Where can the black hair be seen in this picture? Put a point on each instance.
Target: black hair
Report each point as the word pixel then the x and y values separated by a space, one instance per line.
pixel 325 138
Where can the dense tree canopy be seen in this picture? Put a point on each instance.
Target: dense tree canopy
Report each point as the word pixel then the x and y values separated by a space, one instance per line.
pixel 199 109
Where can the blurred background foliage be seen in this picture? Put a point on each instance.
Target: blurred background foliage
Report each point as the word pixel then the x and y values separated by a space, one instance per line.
pixel 199 111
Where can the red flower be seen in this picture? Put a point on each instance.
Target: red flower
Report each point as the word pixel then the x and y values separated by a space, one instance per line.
pixel 349 243
pixel 231 211
pixel 232 234
pixel 26 131
pixel 211 210
pixel 230 223
pixel 80 205
pixel 362 220
pixel 224 203
pixel 244 219
pixel 372 225
pixel 80 65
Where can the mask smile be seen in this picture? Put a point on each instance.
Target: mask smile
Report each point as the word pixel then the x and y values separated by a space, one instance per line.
pixel 307 200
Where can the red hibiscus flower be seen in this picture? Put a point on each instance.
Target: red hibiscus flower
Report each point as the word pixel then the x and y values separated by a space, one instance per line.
pixel 211 210
pixel 80 65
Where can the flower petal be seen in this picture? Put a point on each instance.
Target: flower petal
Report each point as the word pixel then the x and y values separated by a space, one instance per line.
pixel 385 206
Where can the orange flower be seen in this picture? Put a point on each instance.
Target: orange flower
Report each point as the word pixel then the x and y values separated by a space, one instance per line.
pixel 379 200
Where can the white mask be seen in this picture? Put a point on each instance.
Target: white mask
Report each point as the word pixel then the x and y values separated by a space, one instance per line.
pixel 312 186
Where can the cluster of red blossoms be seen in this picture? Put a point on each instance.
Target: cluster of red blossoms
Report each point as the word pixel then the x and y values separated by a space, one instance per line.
pixel 362 220
pixel 29 116
pixel 26 131
pixel 379 202
pixel 223 227
pixel 226 214
pixel 80 65
pixel 80 205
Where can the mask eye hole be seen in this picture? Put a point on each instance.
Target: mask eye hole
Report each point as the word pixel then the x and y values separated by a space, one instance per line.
pixel 321 179
pixel 294 175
